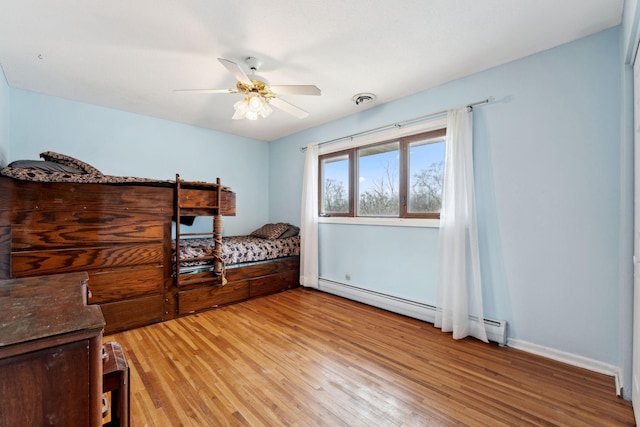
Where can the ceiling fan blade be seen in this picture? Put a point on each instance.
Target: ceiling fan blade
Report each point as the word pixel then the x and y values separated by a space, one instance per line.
pixel 295 90
pixel 286 107
pixel 208 90
pixel 237 72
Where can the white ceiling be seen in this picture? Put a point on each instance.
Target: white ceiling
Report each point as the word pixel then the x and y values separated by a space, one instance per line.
pixel 131 54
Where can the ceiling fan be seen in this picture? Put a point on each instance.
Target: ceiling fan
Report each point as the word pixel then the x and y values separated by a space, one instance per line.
pixel 259 94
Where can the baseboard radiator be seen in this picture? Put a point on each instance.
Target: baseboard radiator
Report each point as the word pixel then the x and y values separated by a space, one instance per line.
pixel 496 329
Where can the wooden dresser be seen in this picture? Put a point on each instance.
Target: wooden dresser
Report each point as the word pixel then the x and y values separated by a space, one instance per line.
pixel 50 352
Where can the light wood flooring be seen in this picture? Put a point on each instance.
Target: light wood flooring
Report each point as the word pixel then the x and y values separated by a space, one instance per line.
pixel 306 358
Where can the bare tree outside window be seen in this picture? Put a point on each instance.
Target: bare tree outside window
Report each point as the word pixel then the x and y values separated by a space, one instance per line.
pixel 425 176
pixel 336 198
pixel 335 177
pixel 379 180
pixel 426 189
pixel 382 197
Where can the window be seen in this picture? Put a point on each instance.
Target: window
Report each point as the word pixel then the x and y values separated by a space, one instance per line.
pixel 399 178
pixel 335 191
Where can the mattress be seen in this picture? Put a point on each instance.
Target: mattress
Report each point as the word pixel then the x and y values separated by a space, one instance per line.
pixel 237 250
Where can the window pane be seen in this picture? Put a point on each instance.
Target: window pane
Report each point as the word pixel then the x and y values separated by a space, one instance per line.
pixel 426 167
pixel 335 184
pixel 379 179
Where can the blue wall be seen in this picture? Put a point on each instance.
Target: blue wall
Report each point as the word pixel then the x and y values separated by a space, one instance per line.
pixel 120 143
pixel 4 119
pixel 548 155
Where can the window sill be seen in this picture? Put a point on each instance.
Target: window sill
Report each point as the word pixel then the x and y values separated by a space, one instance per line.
pixel 388 222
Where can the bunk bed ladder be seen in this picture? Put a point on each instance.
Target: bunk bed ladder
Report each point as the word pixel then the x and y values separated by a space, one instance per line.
pixel 197 208
pixel 217 234
pixel 177 260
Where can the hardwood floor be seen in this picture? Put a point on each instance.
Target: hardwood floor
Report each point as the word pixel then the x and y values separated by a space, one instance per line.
pixel 307 358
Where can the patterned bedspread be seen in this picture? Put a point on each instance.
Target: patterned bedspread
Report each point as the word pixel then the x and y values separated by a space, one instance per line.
pixel 241 249
pixel 87 178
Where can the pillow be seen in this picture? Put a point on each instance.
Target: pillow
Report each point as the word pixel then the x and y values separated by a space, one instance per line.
pixel 52 156
pixel 290 232
pixel 44 166
pixel 270 231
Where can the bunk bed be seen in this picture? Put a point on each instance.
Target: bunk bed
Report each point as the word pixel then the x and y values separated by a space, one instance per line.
pixel 61 215
pixel 264 262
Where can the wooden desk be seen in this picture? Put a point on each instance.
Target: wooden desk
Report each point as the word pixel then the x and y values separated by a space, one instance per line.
pixel 50 352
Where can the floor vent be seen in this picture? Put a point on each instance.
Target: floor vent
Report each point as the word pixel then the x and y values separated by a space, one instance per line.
pixel 496 329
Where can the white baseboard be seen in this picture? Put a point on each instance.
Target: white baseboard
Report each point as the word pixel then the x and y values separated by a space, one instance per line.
pixel 496 329
pixel 571 359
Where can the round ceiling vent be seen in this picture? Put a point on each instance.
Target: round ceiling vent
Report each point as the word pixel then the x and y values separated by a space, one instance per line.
pixel 363 98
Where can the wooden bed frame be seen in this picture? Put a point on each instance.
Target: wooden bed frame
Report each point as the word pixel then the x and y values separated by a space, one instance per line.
pixel 120 234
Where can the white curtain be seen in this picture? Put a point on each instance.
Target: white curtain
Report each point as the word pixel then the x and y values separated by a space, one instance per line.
pixel 459 283
pixel 309 220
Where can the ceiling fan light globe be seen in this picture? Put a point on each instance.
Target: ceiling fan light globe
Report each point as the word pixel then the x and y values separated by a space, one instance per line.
pixel 255 103
pixel 251 115
pixel 241 107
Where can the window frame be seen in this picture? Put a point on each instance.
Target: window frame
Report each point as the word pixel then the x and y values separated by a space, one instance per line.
pixel 352 156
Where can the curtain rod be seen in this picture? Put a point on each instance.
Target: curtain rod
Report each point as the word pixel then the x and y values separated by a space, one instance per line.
pixel 399 124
